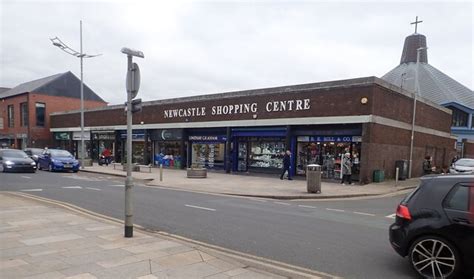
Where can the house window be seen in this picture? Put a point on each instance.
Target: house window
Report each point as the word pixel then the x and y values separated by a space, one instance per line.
pixel 472 121
pixel 459 118
pixel 40 114
pixel 24 114
pixel 11 116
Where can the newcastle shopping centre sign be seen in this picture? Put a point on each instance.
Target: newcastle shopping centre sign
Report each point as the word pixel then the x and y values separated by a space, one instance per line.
pixel 238 108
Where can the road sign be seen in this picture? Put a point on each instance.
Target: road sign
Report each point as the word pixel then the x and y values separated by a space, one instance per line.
pixel 133 80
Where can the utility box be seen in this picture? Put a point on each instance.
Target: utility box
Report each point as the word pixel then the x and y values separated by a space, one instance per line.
pixel 313 178
pixel 402 166
pixel 379 176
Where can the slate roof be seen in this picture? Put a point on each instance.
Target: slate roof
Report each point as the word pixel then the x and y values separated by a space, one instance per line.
pixel 434 85
pixel 64 85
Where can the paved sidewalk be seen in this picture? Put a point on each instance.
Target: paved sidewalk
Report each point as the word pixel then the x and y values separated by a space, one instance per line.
pixel 255 186
pixel 43 240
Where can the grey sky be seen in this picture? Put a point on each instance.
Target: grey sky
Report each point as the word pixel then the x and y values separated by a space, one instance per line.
pixel 198 47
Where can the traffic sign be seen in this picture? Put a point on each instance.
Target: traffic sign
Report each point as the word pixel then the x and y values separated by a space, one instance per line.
pixel 133 80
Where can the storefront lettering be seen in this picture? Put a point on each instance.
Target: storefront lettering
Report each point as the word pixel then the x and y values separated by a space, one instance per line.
pixel 271 106
pixel 189 112
pixel 289 105
pixel 234 109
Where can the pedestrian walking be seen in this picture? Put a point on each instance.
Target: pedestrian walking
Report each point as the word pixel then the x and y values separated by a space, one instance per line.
pixel 346 169
pixel 286 165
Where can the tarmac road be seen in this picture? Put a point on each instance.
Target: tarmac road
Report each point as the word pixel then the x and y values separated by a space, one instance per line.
pixel 346 238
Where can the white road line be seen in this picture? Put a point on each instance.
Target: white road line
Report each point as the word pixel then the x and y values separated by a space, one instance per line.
pixel 117 185
pixel 27 177
pixel 363 213
pixel 392 216
pixel 72 187
pixel 199 207
pixel 93 189
pixel 306 206
pixel 333 209
pixel 283 203
pixel 32 190
pixel 256 199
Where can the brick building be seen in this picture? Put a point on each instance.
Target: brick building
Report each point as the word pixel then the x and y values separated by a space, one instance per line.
pixel 25 109
pixel 246 131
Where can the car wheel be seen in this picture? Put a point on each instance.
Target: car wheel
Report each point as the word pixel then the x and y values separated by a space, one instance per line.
pixel 434 257
pixel 50 167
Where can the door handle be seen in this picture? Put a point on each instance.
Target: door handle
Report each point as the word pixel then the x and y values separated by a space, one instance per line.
pixel 461 220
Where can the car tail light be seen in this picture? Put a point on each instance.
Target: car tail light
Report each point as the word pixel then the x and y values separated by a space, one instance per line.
pixel 403 212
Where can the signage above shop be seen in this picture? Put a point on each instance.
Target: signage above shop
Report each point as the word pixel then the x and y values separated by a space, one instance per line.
pixel 103 136
pixel 330 139
pixel 207 138
pixel 62 136
pixel 166 134
pixel 77 135
pixel 239 109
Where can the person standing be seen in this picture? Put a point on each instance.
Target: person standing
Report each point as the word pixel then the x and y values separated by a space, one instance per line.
pixel 286 165
pixel 106 153
pixel 346 168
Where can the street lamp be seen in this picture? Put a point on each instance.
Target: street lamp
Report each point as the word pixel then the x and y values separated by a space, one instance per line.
pixel 417 91
pixel 58 43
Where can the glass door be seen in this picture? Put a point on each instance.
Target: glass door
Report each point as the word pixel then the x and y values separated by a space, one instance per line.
pixel 242 158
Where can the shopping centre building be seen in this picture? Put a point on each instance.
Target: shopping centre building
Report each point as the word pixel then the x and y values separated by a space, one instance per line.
pixel 246 131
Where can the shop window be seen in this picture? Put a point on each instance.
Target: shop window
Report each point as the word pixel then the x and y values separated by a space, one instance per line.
pixel 40 114
pixel 208 155
pixel 460 118
pixel 11 116
pixel 24 114
pixel 266 154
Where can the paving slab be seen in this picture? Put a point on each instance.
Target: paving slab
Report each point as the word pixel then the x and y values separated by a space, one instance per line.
pixel 96 248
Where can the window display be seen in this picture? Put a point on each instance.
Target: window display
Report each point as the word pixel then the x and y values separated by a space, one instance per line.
pixel 266 154
pixel 242 159
pixel 167 153
pixel 328 155
pixel 208 155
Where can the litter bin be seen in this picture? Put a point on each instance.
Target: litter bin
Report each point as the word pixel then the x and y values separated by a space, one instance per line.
pixel 379 175
pixel 313 178
pixel 402 166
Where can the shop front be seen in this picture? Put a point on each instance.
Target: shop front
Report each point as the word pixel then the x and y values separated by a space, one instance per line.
pixel 168 147
pixel 258 149
pixel 206 148
pixel 63 141
pixel 139 147
pixel 102 140
pixel 76 137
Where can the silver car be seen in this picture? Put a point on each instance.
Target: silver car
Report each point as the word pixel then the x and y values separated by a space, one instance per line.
pixel 464 166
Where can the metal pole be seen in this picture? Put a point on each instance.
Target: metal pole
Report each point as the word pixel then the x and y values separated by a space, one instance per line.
pixel 410 167
pixel 396 176
pixel 129 179
pixel 82 100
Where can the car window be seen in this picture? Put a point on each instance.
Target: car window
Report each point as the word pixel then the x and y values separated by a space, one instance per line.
pixel 465 163
pixel 14 154
pixel 458 198
pixel 60 153
pixel 410 196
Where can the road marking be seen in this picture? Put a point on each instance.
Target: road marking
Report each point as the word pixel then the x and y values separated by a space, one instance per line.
pixel 391 216
pixel 72 187
pixel 117 185
pixel 284 203
pixel 199 207
pixel 363 213
pixel 333 209
pixel 306 206
pixel 93 189
pixel 27 177
pixel 32 190
pixel 256 199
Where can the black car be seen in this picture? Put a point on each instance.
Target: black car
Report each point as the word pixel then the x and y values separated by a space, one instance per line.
pixel 16 160
pixel 434 227
pixel 34 153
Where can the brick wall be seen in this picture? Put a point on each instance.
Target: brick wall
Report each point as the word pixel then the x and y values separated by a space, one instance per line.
pixel 38 136
pixel 469 149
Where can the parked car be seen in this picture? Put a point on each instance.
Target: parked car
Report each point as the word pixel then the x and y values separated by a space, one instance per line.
pixel 434 227
pixel 464 165
pixel 57 160
pixel 16 160
pixel 34 153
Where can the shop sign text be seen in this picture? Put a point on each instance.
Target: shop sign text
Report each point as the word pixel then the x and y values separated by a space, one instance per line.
pixel 236 109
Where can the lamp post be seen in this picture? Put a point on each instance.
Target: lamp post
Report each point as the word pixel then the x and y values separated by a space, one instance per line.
pixel 58 43
pixel 417 91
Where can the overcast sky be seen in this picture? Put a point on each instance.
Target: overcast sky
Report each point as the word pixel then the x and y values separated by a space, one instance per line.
pixel 204 47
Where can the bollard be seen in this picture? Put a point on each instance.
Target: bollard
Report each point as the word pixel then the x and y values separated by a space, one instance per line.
pixel 161 172
pixel 396 176
pixel 313 179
